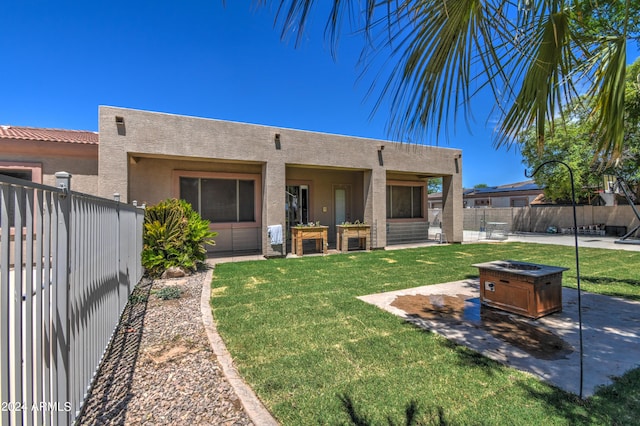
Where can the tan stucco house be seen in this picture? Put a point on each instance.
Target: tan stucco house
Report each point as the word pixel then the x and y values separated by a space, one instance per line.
pixel 519 194
pixel 245 177
pixel 36 154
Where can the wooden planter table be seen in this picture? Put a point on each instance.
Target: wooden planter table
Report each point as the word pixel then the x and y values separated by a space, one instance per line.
pixel 361 232
pixel 301 233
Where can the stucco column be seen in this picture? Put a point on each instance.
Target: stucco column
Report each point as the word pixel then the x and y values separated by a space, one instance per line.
pixel 452 207
pixel 273 208
pixel 375 207
pixel 112 157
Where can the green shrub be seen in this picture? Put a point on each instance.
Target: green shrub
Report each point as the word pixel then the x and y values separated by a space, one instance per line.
pixel 174 235
pixel 168 293
pixel 137 298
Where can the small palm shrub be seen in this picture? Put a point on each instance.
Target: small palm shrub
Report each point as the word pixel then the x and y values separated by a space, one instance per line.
pixel 174 235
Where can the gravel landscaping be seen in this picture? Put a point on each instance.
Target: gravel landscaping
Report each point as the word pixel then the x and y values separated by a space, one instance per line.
pixel 160 368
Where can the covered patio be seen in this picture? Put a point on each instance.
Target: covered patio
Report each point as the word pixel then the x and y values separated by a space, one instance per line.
pixel 247 179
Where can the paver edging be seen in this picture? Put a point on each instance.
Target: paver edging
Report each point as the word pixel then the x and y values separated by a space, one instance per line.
pixel 256 411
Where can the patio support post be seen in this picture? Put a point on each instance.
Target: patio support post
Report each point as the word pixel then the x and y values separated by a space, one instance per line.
pixel 452 212
pixel 61 323
pixel 273 201
pixel 375 207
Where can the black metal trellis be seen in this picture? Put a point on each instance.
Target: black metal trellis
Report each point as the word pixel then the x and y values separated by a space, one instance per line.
pixel 575 234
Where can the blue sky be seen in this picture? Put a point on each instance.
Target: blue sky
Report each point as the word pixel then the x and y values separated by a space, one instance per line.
pixel 61 60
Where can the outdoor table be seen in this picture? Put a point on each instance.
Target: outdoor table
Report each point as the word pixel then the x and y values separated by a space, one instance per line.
pixel 301 233
pixel 497 230
pixel 361 232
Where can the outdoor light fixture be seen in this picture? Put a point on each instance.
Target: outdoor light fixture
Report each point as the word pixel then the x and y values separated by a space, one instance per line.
pixel 575 235
pixel 120 125
pixel 276 139
pixel 380 159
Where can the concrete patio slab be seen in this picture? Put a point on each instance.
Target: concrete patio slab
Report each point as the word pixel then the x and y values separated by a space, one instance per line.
pixel 610 329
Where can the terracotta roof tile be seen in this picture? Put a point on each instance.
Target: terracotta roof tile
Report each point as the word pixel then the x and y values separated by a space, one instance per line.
pixel 52 135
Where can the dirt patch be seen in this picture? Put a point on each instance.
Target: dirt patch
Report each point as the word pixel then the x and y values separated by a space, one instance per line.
pixel 433 306
pixel 164 354
pixel 531 338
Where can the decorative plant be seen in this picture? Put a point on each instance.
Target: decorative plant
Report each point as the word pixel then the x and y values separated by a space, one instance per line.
pixel 356 223
pixel 174 235
pixel 170 292
pixel 308 224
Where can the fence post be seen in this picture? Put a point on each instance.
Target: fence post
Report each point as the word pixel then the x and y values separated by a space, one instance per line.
pixel 118 269
pixel 5 260
pixel 62 337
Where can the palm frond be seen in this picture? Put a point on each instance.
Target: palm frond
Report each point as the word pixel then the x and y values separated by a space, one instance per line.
pixel 294 15
pixel 536 56
pixel 608 93
pixel 437 47
pixel 546 84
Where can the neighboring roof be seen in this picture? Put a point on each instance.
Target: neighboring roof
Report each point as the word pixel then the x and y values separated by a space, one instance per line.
pixel 540 199
pixel 528 185
pixel 51 135
pixel 511 187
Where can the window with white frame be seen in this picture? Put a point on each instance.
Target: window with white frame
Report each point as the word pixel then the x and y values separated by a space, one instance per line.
pixel 220 200
pixel 405 201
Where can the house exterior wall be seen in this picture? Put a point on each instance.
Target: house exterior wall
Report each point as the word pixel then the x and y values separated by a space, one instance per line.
pixel 163 174
pixel 45 158
pixel 502 200
pixel 166 143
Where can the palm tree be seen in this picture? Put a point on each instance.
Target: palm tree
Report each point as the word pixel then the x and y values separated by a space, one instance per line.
pixel 534 55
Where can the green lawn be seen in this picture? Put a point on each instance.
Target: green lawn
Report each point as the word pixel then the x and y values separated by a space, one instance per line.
pixel 315 354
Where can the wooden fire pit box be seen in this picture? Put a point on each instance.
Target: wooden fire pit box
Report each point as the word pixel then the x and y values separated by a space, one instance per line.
pixel 522 288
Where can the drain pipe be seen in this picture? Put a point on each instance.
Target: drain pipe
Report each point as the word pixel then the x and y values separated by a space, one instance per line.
pixel 575 235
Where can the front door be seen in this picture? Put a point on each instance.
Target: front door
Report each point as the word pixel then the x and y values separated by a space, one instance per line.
pixel 340 205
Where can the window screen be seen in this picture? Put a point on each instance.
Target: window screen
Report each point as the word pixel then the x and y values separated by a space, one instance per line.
pixel 404 202
pixel 220 200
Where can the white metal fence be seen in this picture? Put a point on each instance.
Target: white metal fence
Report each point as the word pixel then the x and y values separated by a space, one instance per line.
pixel 68 262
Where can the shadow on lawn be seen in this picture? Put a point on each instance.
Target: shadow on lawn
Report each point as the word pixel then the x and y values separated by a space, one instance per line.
pixel 620 399
pixel 413 415
pixel 604 281
pixel 607 280
pixel 615 404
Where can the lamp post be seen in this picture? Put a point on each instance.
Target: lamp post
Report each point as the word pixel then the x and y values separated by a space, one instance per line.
pixel 575 235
